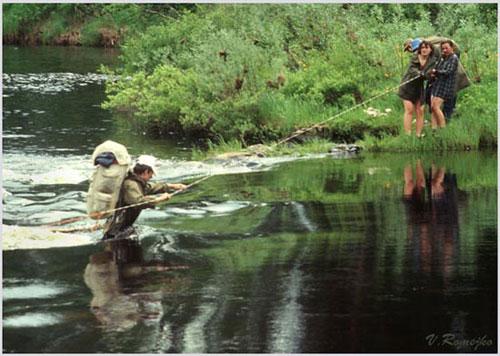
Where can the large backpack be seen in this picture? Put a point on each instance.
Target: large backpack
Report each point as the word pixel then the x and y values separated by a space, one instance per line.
pixel 112 164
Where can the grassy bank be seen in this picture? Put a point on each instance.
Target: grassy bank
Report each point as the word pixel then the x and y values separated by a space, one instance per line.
pixel 249 74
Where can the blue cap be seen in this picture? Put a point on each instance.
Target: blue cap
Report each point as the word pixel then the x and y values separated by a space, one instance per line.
pixel 415 43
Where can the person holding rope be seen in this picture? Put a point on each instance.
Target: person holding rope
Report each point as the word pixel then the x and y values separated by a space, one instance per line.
pixel 443 78
pixel 137 189
pixel 461 81
pixel 412 93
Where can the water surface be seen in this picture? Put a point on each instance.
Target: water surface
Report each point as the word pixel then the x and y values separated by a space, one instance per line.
pixel 369 253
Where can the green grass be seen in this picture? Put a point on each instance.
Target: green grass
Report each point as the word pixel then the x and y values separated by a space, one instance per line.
pixel 213 149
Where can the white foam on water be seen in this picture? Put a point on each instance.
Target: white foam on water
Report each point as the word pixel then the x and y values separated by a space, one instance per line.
pixel 226 207
pixel 32 169
pixel 182 211
pixel 23 237
pixel 49 83
pixel 17 136
pixel 60 176
pixel 172 170
pixel 32 291
pixel 32 320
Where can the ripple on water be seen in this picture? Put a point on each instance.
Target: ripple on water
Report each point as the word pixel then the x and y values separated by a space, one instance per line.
pixel 204 208
pixel 49 83
pixel 31 320
pixel 32 291
pixel 226 207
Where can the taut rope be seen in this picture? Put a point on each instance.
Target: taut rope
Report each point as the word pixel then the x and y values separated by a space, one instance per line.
pixel 303 131
pixel 294 135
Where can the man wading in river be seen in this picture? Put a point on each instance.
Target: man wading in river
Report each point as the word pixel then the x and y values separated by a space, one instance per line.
pixel 137 189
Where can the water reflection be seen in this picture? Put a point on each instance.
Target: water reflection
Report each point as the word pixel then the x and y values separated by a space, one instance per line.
pixel 116 276
pixel 431 202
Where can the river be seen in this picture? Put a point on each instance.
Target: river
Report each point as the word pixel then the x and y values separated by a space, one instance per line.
pixel 359 253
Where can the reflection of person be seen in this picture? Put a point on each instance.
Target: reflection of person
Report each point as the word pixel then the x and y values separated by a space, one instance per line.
pixel 110 275
pixel 432 210
pixel 114 309
pixel 414 188
pixel 443 86
pixel 136 188
pixel 412 93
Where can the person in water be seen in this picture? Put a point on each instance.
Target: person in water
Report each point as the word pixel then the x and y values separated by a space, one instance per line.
pixel 443 78
pixel 135 189
pixel 412 93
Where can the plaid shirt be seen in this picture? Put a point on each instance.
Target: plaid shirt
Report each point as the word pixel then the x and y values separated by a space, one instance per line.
pixel 444 85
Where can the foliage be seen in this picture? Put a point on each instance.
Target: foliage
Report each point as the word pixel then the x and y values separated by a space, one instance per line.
pixel 257 73
pixel 32 23
pixel 54 27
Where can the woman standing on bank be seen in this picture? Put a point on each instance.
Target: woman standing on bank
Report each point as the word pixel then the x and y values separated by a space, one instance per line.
pixel 412 93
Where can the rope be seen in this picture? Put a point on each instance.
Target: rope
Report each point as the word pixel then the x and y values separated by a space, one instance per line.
pixel 80 218
pixel 296 134
pixel 303 131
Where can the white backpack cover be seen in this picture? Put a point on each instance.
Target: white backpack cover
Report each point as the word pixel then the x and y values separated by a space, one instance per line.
pixel 106 182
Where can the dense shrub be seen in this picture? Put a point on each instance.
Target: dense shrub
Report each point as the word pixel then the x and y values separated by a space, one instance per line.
pixel 259 72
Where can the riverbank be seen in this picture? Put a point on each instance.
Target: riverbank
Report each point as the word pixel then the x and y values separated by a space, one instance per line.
pixel 255 74
pixel 348 245
pixel 89 25
pixel 218 75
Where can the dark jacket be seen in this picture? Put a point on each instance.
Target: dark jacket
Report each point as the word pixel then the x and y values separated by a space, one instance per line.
pixel 414 90
pixel 134 190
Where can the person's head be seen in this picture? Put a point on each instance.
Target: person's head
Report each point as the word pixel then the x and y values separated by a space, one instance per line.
pixel 447 48
pixel 425 48
pixel 145 167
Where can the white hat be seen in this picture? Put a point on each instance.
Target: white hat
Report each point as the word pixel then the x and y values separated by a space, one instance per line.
pixel 147 160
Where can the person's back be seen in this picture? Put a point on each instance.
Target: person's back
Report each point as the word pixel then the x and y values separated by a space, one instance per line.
pixel 132 191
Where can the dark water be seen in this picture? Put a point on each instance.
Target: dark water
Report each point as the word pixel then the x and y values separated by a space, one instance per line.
pixel 370 253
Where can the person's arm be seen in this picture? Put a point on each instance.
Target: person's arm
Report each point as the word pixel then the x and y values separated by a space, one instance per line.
pixel 132 193
pixel 448 68
pixel 431 64
pixel 413 68
pixel 156 188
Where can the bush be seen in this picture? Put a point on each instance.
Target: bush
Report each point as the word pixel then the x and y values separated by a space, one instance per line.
pixel 256 73
pixel 55 26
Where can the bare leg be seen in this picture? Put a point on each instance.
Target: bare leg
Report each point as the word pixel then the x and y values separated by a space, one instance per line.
pixel 408 116
pixel 436 103
pixel 420 118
